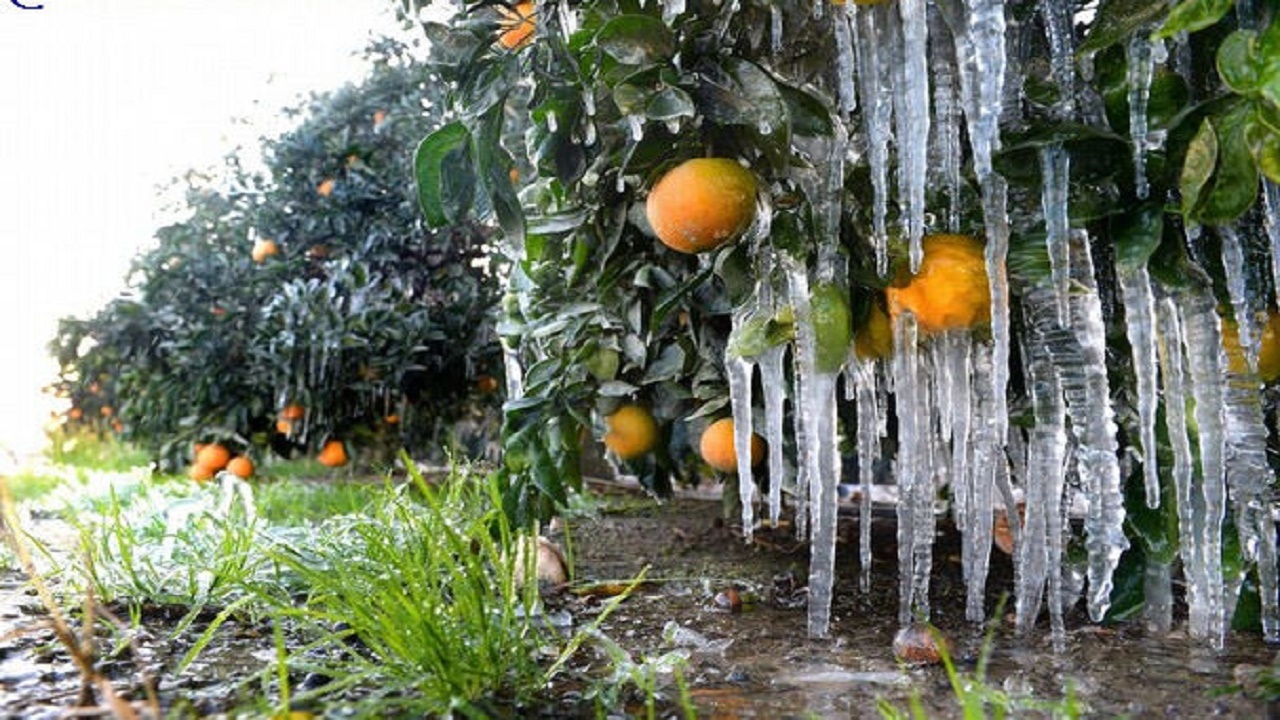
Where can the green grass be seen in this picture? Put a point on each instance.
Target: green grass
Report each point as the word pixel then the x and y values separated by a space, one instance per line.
pixel 405 595
pixel 90 451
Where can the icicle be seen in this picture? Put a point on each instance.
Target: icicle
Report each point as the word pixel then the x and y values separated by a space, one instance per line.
pixel 1201 330
pixel 911 107
pixel 914 471
pixel 1058 27
pixel 1176 393
pixel 802 369
pixel 1140 324
pixel 1157 592
pixel 869 434
pixel 815 411
pixel 846 90
pixel 775 29
pixel 977 476
pixel 738 371
pixel 773 380
pixel 995 215
pixel 946 116
pixel 1039 556
pixel 1055 172
pixel 671 9
pixel 1140 64
pixel 513 371
pixel 877 119
pixel 1249 480
pixel 1243 302
pixel 1271 206
pixel 1093 423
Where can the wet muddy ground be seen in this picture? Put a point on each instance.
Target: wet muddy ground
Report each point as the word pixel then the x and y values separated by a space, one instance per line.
pixel 754 661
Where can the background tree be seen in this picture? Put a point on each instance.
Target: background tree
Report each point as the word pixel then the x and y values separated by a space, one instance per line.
pixel 311 282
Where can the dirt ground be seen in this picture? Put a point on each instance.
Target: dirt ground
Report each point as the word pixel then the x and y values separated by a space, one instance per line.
pixel 751 660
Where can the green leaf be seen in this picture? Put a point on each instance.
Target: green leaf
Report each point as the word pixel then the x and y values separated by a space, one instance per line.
pixel 637 40
pixel 438 159
pixel 1137 234
pixel 1266 57
pixel 1264 146
pixel 809 116
pixel 1235 62
pixel 495 165
pixel 668 104
pixel 1235 182
pixel 1193 15
pixel 1117 19
pixel 1197 168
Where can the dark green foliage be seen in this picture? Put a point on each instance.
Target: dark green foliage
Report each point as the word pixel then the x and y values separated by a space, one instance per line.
pixel 363 314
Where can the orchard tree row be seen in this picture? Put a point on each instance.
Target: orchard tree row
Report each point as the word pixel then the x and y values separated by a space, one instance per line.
pixel 303 301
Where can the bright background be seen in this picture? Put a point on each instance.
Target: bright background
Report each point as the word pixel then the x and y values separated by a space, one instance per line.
pixel 102 102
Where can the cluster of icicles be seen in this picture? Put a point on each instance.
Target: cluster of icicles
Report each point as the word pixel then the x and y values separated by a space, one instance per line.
pixel 916 71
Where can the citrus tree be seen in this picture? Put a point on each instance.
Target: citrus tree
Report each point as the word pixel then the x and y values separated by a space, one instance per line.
pixel 303 301
pixel 1022 235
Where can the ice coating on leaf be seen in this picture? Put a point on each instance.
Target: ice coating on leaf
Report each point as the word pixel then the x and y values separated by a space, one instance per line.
pixel 874 48
pixel 1140 68
pixel 1140 326
pixel 1055 171
pixel 911 108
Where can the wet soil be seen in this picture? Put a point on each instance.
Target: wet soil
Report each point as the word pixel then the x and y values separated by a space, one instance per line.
pixel 751 659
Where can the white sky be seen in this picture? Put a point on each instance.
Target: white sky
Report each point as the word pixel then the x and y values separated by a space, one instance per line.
pixel 101 102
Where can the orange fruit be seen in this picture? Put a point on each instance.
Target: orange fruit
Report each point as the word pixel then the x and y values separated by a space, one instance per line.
pixel 333 454
pixel 106 411
pixel 950 291
pixel 318 252
pixel 284 427
pixel 325 188
pixel 486 384
pixel 263 249
pixel 117 426
pixel 213 456
pixel 874 340
pixel 632 432
pixel 378 117
pixel 517 25
pixel 292 411
pixel 717 447
pixel 200 473
pixel 392 419
pixel 1268 353
pixel 702 204
pixel 241 467
pixel 75 413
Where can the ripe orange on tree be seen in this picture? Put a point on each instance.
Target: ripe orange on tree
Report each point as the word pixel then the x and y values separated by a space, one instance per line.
pixel 214 456
pixel 517 25
pixel 392 419
pixel 950 290
pixel 264 248
pixel 292 411
pixel 1268 351
pixel 241 467
pixel 200 473
pixel 632 432
pixel 486 384
pixel 702 204
pixel 75 413
pixel 718 450
pixel 325 188
pixel 333 454
pixel 106 411
pixel 284 427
